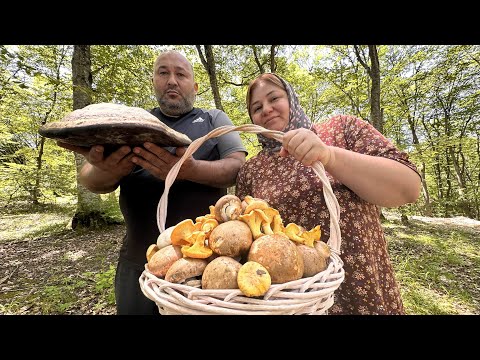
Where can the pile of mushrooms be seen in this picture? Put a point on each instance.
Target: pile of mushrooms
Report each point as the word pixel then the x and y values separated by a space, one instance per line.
pixel 240 244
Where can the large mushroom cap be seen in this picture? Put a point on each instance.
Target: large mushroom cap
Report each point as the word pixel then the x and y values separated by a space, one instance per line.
pixel 112 124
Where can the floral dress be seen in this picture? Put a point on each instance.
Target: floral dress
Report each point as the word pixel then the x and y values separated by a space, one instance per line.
pixel 296 192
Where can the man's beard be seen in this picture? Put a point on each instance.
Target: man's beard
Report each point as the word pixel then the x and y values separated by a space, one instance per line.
pixel 175 108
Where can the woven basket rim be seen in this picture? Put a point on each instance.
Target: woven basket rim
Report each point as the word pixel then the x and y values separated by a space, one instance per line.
pixel 310 295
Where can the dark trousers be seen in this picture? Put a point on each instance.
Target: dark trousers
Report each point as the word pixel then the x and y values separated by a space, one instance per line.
pixel 129 298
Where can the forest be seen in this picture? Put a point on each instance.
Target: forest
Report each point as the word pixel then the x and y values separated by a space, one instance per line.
pixel 424 98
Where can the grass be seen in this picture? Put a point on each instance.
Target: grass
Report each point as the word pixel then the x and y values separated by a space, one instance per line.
pixel 34 222
pixel 437 266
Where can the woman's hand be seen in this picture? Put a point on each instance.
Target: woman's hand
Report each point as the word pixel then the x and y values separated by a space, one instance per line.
pixel 305 146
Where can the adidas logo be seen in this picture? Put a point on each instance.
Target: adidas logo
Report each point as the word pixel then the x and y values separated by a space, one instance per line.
pixel 199 119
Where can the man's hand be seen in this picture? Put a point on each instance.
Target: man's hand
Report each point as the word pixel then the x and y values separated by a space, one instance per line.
pixel 159 161
pixel 109 169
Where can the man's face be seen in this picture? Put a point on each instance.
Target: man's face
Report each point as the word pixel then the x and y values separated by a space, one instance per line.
pixel 175 88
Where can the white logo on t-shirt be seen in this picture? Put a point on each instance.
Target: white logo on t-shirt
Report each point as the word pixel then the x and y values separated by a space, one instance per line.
pixel 199 119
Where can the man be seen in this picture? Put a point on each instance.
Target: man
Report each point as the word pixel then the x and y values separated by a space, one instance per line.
pixel 140 172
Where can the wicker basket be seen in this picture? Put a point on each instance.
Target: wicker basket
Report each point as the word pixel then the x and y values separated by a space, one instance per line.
pixel 313 295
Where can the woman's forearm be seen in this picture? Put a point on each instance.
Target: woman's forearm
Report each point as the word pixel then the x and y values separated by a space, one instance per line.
pixel 375 179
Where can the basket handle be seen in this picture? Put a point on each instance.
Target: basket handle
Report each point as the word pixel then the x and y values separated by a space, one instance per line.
pixel 332 204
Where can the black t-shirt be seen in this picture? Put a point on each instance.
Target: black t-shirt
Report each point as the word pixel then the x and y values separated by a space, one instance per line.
pixel 140 191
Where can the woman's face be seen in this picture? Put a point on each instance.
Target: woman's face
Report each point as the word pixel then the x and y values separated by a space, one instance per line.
pixel 269 106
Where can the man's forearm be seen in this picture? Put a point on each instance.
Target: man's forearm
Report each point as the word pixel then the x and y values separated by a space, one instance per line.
pixel 97 180
pixel 221 173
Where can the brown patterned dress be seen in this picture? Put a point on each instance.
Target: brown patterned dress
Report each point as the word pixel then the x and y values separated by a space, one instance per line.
pixel 296 192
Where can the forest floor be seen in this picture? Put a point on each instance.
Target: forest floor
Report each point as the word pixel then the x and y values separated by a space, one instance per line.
pixel 47 268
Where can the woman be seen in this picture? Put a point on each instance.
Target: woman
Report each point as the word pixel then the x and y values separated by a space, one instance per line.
pixel 365 171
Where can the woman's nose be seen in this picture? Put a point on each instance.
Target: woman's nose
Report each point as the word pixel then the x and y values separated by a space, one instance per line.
pixel 266 108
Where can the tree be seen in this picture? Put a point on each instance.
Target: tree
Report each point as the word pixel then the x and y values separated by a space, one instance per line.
pixel 373 72
pixel 88 203
pixel 208 61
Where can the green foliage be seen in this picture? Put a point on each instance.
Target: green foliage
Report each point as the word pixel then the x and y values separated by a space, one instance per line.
pixel 429 98
pixel 57 299
pixel 104 284
pixel 110 207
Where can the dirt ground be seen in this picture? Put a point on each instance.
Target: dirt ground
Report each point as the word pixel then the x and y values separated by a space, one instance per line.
pixel 60 268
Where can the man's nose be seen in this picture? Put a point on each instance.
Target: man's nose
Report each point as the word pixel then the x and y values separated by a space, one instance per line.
pixel 172 80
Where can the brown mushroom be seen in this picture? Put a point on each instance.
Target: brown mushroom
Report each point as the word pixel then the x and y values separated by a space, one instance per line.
pixel 185 268
pixel 112 125
pixel 221 273
pixel 279 256
pixel 323 249
pixel 313 261
pixel 232 238
pixel 228 207
pixel 161 260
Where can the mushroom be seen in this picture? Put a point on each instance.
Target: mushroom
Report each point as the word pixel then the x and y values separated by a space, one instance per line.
pixel 112 125
pixel 298 234
pixel 253 279
pixel 181 233
pixel 207 216
pixel 197 250
pixel 185 268
pixel 161 260
pixel 313 261
pixel 221 273
pixel 228 207
pixel 164 238
pixel 206 225
pixel 279 256
pixel 256 204
pixel 232 238
pixel 323 249
pixel 248 200
pixel 273 223
pixel 254 221
pixel 152 249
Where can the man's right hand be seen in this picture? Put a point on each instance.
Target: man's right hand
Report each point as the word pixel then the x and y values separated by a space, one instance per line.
pixel 102 172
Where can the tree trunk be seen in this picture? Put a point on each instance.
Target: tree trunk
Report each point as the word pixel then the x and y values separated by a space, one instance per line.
pixel 208 62
pixel 88 203
pixel 375 110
